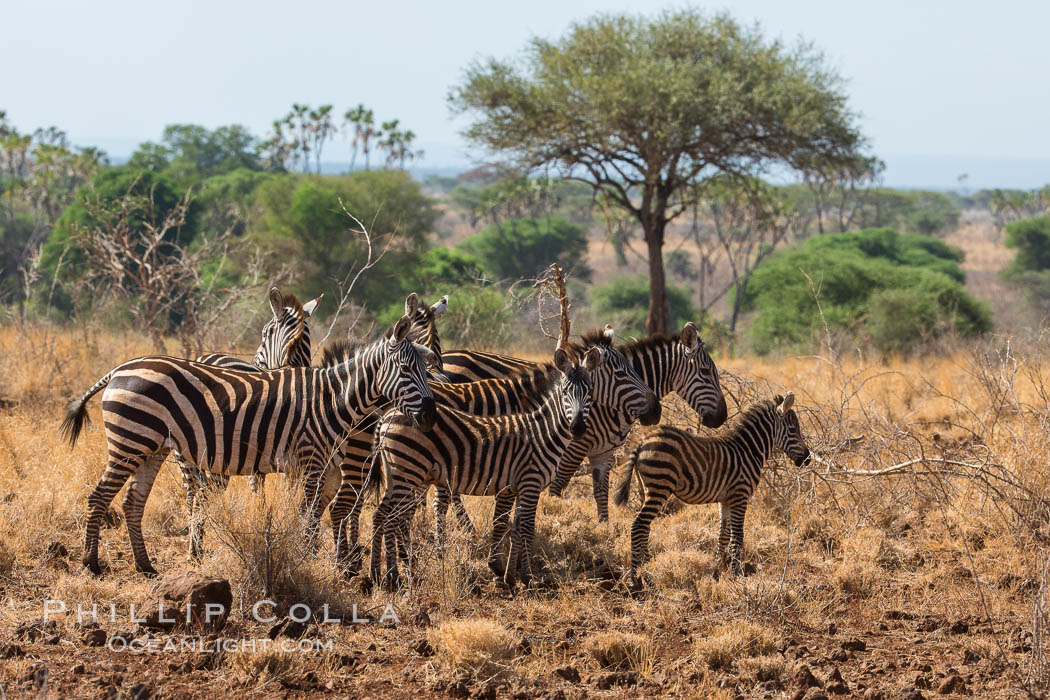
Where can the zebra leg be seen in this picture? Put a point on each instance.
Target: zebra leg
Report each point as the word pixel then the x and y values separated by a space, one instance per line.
pixel 600 479
pixel 524 532
pixel 380 521
pixel 256 482
pixel 135 503
pixel 441 498
pixel 723 536
pixel 401 510
pixel 737 511
pixel 654 501
pixel 200 486
pixel 500 523
pixel 345 510
pixel 117 472
pixel 312 505
pixel 461 515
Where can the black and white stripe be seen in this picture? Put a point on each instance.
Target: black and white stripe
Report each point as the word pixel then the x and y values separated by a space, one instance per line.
pixel 237 422
pixel 722 469
pixel 509 457
pixel 678 363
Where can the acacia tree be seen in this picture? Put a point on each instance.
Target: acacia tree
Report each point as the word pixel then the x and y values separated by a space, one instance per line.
pixel 644 109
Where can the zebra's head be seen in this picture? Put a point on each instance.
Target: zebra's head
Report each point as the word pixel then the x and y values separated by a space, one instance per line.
pixel 696 379
pixel 424 328
pixel 787 434
pixel 616 383
pixel 576 387
pixel 286 337
pixel 402 376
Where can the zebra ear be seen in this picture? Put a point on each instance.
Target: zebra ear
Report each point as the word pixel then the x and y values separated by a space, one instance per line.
pixel 429 356
pixel 276 302
pixel 440 307
pixel 593 359
pixel 690 336
pixel 562 361
pixel 411 304
pixel 609 333
pixel 786 404
pixel 400 330
pixel 311 305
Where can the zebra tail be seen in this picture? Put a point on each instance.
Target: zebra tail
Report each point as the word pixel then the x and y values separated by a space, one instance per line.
pixel 624 491
pixel 77 415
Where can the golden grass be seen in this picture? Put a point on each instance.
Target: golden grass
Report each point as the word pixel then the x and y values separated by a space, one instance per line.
pixel 621 650
pixel 480 647
pixel 960 537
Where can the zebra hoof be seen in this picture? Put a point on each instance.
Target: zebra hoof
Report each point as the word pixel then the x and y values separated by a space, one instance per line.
pixel 146 570
pixel 366 585
pixel 392 582
pixel 93 567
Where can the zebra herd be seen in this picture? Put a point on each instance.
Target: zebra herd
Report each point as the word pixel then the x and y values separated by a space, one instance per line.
pixel 401 411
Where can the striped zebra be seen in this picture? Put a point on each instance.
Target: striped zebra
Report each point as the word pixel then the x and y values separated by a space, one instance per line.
pixel 678 363
pixel 723 469
pixel 238 422
pixel 285 343
pixel 509 457
pixel 516 393
pixel 287 335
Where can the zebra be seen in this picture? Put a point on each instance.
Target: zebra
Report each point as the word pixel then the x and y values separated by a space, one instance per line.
pixel 285 343
pixel 678 363
pixel 723 469
pixel 509 457
pixel 518 392
pixel 238 422
pixel 289 329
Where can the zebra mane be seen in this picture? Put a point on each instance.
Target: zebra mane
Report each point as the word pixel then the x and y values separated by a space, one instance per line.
pixel 291 301
pixel 649 342
pixel 595 336
pixel 746 420
pixel 339 351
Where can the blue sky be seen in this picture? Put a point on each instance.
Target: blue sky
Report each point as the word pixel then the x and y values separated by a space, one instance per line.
pixel 942 87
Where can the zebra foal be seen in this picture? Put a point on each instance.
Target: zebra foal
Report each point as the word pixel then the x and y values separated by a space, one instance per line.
pixel 509 457
pixel 722 469
pixel 238 422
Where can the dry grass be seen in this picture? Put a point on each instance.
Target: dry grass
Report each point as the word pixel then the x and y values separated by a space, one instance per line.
pixel 730 643
pixel 621 650
pixel 480 647
pixel 957 540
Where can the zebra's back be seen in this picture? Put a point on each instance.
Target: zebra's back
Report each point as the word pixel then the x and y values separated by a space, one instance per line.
pixel 472 366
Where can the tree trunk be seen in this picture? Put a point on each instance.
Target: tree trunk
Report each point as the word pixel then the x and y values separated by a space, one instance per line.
pixel 657 321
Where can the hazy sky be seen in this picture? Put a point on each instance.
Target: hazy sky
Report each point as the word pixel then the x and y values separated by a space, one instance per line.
pixel 942 87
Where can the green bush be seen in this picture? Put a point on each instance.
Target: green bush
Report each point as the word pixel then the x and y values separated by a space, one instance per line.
pixel 523 248
pixel 624 302
pixel 850 270
pixel 477 318
pixel 1031 239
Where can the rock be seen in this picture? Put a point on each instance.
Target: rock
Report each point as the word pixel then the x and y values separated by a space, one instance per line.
pixel 855 645
pixel 568 673
pixel 836 685
pixel 293 629
pixel 423 648
pixel 922 682
pixel 56 549
pixel 874 694
pixel 970 658
pixel 31 630
pixel 804 678
pixel 78 670
pixel 140 691
pixel 459 689
pixel 914 694
pixel 898 615
pixel 208 600
pixel 955 685
pixel 607 681
pixel 11 651
pixel 95 637
pixel 959 627
pixel 839 655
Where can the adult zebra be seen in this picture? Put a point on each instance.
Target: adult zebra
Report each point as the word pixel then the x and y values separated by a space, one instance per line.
pixel 518 392
pixel 511 457
pixel 238 422
pixel 723 469
pixel 678 363
pixel 286 343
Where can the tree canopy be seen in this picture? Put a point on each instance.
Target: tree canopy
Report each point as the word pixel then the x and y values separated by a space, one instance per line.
pixel 643 109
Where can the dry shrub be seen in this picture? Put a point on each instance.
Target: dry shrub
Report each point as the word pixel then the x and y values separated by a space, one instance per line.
pixel 679 569
pixel 264 667
pixel 624 650
pixel 7 560
pixel 730 643
pixel 762 669
pixel 259 543
pixel 855 578
pixel 478 646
